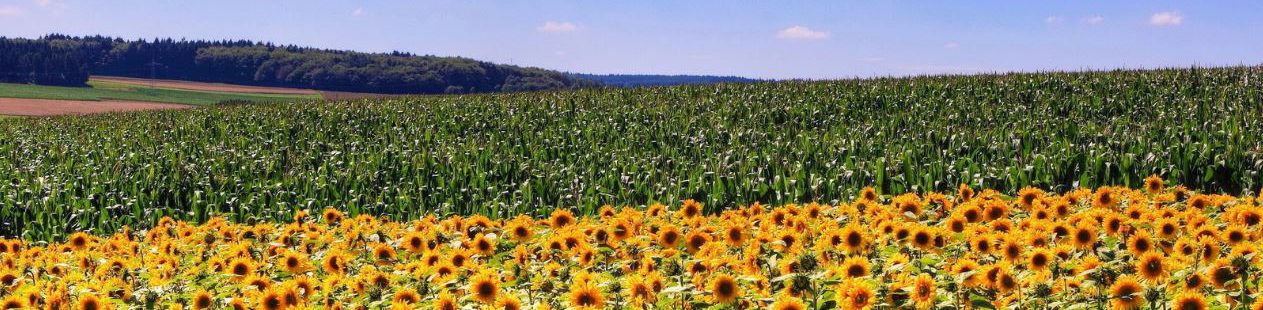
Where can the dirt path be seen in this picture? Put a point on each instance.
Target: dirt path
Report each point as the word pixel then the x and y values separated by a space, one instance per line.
pixel 46 107
pixel 217 87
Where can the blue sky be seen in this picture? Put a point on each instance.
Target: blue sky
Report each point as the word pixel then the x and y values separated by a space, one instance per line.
pixel 766 39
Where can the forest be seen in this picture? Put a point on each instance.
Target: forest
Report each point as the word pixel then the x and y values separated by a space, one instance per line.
pixel 69 61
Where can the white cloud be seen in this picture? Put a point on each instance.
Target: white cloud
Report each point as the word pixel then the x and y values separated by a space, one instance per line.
pixel 951 45
pixel 43 2
pixel 1054 19
pixel 1169 18
pixel 357 12
pixel 1093 19
pixel 802 33
pixel 557 27
pixel 11 11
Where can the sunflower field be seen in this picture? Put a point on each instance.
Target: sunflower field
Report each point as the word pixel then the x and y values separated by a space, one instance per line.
pixel 1157 247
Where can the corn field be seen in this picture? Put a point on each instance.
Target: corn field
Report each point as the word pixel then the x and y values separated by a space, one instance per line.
pixel 720 145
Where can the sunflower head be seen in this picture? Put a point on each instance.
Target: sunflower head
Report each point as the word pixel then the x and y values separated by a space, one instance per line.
pixel 724 289
pixel 1154 184
pixel 1126 293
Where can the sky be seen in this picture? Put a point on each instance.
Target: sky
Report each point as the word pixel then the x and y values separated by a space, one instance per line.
pixel 760 39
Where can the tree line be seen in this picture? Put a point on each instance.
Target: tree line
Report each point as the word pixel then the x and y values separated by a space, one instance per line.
pixel 67 60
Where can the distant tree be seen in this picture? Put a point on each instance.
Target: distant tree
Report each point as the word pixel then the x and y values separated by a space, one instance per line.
pixel 58 59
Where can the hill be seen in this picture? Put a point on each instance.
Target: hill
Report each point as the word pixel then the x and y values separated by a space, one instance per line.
pixel 68 61
pixel 634 80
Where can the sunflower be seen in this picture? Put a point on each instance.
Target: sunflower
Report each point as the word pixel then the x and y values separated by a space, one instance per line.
pixel 724 289
pixel 485 287
pixel 1152 267
pixel 668 237
pixel 1083 237
pixel 1140 243
pixel 406 296
pixel 923 238
pixel 1167 228
pixel 413 241
pixel 690 209
pixel 1189 300
pixel 868 194
pixel 1126 293
pixel 964 192
pixel 1222 273
pixel 855 267
pixel 734 235
pixel 91 302
pixel 335 263
pixel 79 241
pixel 786 302
pixel 965 270
pixel 201 300
pixel 561 218
pixel 956 223
pixel 1028 195
pixel 695 240
pixel 1194 281
pixel 853 238
pixel 586 296
pixel 923 291
pixel 1104 198
pixel 445 301
pixel 981 244
pixel 13 302
pixel 271 300
pixel 1012 251
pixel 1200 202
pixel 1234 234
pixel 857 295
pixel 639 289
pixel 331 216
pixel 1154 184
pixel 293 262
pixel 508 302
pixel 1005 281
pixel 483 245
pixel 241 267
pixel 1039 259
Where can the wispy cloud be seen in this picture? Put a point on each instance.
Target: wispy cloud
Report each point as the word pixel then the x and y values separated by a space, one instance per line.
pixel 802 33
pixel 1093 19
pixel 951 45
pixel 557 27
pixel 1168 18
pixel 1054 19
pixel 357 12
pixel 11 11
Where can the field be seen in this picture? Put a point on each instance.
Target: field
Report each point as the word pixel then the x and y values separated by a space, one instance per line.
pixel 211 87
pixel 1058 190
pixel 14 107
pixel 1157 248
pixel 108 90
pixel 723 145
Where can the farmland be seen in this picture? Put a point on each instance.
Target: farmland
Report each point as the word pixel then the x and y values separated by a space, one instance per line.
pixel 100 90
pixel 1157 247
pixel 722 145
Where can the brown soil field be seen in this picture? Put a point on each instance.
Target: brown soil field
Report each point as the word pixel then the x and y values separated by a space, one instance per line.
pixel 218 87
pixel 46 107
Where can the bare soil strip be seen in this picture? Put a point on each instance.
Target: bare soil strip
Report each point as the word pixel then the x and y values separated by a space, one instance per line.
pixel 47 107
pixel 217 87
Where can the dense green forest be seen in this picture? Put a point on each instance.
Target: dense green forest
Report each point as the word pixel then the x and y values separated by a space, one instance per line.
pixel 66 60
